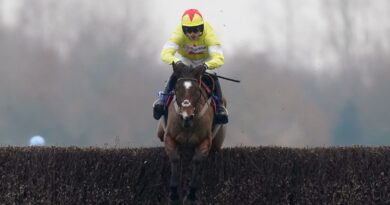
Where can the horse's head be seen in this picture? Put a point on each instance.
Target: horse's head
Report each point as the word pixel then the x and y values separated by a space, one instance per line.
pixel 188 92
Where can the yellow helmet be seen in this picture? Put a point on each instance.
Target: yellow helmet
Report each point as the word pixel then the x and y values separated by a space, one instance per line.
pixel 191 17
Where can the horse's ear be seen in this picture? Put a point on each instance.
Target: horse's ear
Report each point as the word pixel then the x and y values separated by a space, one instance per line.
pixel 178 68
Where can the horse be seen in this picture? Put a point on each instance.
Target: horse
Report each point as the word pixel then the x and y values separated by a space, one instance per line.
pixel 189 125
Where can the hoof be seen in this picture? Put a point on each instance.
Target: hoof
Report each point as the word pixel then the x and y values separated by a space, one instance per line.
pixel 187 201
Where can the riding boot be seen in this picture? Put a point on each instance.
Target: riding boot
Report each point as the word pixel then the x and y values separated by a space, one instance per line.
pixel 222 114
pixel 159 106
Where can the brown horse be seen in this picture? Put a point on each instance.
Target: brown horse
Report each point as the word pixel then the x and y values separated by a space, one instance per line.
pixel 189 126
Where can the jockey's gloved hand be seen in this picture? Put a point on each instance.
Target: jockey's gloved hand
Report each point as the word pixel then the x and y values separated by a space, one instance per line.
pixel 178 65
pixel 202 68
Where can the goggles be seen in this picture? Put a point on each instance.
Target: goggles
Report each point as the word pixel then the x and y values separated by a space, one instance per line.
pixel 193 29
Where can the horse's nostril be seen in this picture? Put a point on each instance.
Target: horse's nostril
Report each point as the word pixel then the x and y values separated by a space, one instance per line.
pixel 186 116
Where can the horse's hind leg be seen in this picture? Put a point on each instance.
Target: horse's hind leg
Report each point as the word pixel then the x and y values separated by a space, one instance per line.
pixel 219 139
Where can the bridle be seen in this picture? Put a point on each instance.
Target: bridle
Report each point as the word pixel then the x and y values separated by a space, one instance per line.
pixel 186 103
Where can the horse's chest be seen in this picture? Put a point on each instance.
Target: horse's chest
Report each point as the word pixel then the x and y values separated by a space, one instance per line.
pixel 188 138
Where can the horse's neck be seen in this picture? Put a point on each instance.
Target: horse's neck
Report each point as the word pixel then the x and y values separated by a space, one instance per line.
pixel 204 97
pixel 203 106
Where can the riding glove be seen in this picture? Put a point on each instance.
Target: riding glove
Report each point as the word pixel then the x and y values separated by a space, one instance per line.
pixel 178 65
pixel 202 67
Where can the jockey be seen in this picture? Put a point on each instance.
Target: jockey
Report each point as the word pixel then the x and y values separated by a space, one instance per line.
pixel 195 43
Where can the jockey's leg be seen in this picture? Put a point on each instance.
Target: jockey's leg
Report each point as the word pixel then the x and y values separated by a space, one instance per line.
pixel 159 105
pixel 222 114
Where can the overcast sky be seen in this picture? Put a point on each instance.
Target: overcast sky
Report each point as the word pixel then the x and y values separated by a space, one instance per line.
pixel 261 26
pixel 274 25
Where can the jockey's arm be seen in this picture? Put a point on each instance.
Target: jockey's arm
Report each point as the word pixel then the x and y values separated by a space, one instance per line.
pixel 168 52
pixel 214 49
pixel 172 46
pixel 216 57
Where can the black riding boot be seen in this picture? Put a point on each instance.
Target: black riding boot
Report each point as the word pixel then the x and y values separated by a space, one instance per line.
pixel 159 108
pixel 222 114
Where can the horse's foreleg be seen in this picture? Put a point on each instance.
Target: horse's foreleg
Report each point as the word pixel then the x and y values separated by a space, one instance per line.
pixel 201 152
pixel 161 130
pixel 174 158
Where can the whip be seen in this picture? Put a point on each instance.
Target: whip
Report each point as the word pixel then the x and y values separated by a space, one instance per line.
pixel 226 78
